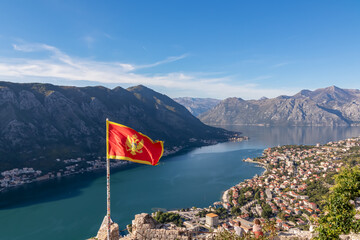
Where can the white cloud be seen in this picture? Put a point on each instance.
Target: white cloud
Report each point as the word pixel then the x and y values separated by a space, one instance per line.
pixel 167 60
pixel 280 64
pixel 34 48
pixel 59 65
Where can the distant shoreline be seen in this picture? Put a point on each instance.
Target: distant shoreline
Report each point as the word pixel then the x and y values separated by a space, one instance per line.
pixel 119 167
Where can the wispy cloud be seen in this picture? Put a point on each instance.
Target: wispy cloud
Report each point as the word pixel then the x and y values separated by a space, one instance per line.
pixel 167 60
pixel 58 65
pixel 95 37
pixel 35 48
pixel 278 65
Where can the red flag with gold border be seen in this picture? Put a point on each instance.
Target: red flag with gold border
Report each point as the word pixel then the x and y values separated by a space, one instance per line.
pixel 125 143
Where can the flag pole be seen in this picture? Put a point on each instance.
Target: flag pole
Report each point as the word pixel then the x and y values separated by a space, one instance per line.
pixel 108 184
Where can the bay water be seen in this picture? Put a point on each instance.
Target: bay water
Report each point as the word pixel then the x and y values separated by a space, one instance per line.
pixel 74 207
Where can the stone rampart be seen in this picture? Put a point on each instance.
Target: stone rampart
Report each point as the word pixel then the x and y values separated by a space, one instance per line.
pixel 144 227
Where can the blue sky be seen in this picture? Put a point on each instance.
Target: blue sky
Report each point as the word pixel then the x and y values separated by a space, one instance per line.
pixel 212 48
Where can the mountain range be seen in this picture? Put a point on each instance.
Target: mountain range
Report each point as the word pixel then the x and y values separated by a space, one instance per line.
pixel 331 106
pixel 45 121
pixel 197 106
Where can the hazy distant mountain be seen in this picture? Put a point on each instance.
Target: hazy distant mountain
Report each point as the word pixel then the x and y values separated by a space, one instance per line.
pixel 330 106
pixel 59 121
pixel 197 106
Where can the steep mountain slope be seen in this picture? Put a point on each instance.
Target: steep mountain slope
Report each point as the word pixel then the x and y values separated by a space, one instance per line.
pixel 330 106
pixel 197 106
pixel 57 121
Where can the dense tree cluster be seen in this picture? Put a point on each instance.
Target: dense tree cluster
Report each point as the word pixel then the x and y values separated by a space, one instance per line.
pixel 267 211
pixel 317 192
pixel 168 217
pixel 339 210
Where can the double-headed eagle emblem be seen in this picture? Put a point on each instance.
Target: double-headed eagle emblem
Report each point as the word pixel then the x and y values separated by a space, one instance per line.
pixel 134 145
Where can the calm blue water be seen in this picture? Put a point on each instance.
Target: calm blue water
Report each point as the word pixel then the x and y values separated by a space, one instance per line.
pixel 73 208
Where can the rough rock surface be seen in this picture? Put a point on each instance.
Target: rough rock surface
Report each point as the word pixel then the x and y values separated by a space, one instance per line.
pixel 295 234
pixel 145 227
pixel 351 236
pixel 102 233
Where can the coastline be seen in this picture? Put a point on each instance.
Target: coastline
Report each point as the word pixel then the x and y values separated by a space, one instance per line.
pixel 118 166
pixel 115 166
pixel 225 196
pixel 259 164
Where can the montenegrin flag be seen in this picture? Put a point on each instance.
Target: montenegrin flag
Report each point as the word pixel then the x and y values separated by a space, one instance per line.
pixel 125 143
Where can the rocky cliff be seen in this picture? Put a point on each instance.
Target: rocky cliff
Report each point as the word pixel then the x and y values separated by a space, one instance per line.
pixel 48 121
pixel 330 106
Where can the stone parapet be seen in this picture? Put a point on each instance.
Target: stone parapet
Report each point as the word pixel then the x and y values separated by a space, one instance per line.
pixel 144 227
pixel 102 233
